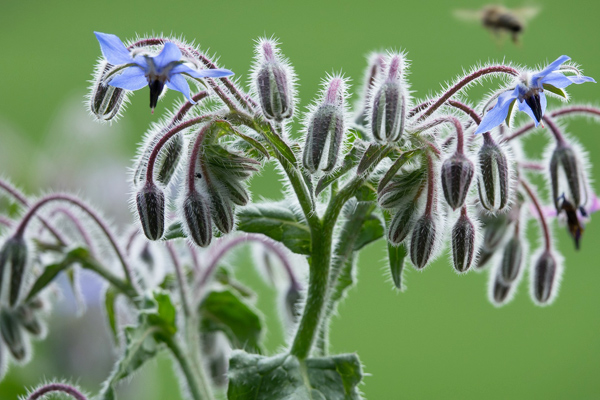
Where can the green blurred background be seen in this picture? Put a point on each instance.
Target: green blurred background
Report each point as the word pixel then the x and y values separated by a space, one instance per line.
pixel 440 338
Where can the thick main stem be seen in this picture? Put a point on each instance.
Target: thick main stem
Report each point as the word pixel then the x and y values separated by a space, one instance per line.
pixel 197 383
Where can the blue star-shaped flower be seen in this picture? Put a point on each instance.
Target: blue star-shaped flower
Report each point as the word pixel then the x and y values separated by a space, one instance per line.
pixel 530 95
pixel 167 68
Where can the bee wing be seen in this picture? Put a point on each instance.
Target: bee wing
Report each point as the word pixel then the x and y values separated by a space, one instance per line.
pixel 527 13
pixel 468 15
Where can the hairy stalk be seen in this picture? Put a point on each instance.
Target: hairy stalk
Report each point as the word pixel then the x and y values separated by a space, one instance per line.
pixel 542 220
pixel 78 225
pixel 186 107
pixel 495 69
pixel 56 387
pixel 446 119
pixel 555 130
pixel 454 103
pixel 180 279
pixel 75 201
pixel 197 382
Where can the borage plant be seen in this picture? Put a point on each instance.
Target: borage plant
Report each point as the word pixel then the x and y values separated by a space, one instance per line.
pixel 419 174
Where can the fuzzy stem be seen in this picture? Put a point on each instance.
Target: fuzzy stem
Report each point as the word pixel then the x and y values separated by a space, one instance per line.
pixel 165 138
pixel 536 203
pixel 197 383
pixel 180 279
pixel 13 192
pixel 56 387
pixel 191 173
pixel 78 225
pixel 447 119
pixel 185 108
pixel 464 82
pixel 5 221
pixel 75 201
pixel 430 186
pixel 454 103
pixel 560 140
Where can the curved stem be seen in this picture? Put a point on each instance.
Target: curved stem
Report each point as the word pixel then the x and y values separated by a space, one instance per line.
pixel 430 186
pixel 197 385
pixel 457 126
pixel 180 279
pixel 191 174
pixel 495 69
pixel 77 224
pixel 5 221
pixel 185 108
pixel 560 140
pixel 454 103
pixel 543 223
pixel 165 138
pixel 75 201
pixel 56 387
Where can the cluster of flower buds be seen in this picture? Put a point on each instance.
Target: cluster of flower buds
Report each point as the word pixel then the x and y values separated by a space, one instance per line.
pixel 18 325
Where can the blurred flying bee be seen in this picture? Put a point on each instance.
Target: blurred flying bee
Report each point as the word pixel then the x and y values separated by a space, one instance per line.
pixel 499 19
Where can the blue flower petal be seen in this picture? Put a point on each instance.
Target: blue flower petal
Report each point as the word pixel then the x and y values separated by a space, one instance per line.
pixel 169 54
pixel 523 106
pixel 178 82
pixel 141 62
pixel 553 66
pixel 498 114
pixel 113 49
pixel 561 81
pixel 543 102
pixel 132 78
pixel 205 73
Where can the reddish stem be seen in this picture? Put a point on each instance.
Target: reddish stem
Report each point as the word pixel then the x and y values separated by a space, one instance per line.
pixel 191 176
pixel 542 219
pixel 187 106
pixel 430 186
pixel 56 387
pixel 457 127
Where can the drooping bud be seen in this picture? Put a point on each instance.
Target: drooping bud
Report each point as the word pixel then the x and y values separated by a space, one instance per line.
pixel 463 242
pixel 512 259
pixel 196 215
pixel 106 100
pixel 422 241
pixel 403 188
pixel 151 210
pixel 402 222
pixel 493 176
pixel 222 211
pixel 169 158
pixel 274 82
pixel 12 335
pixel 29 320
pixel 545 276
pixel 500 291
pixel 457 173
pixel 325 131
pixel 13 260
pixel 566 176
pixel 494 231
pixel 483 258
pixel 388 109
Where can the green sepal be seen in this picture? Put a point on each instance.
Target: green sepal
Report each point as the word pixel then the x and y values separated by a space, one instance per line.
pixel 555 90
pixel 110 299
pixel 374 153
pixel 350 161
pixel 510 111
pixel 399 163
pixel 396 257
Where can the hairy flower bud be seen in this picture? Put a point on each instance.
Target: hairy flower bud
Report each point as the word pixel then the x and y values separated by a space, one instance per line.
pixel 13 260
pixel 545 278
pixel 402 223
pixel 403 188
pixel 105 100
pixel 463 243
pixel 457 173
pixel 151 210
pixel 493 176
pixel 325 130
pixel 374 70
pixel 29 320
pixel 169 158
pixel 389 104
pixel 12 335
pixel 501 291
pixel 566 177
pixel 222 211
pixel 196 216
pixel 273 83
pixel 512 258
pixel 422 241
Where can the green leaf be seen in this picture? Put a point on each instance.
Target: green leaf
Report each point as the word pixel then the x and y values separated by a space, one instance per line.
pixel 277 221
pixel 396 255
pixel 110 298
pixel 350 161
pixel 227 128
pixel 374 153
pixel 371 230
pixel 174 231
pixel 555 90
pixel 399 163
pixel 284 377
pixel 52 271
pixel 143 342
pixel 223 310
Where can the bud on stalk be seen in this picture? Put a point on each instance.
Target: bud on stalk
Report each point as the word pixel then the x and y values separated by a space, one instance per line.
pixel 169 158
pixel 457 173
pixel 500 291
pixel 151 210
pixel 196 216
pixel 512 258
pixel 402 223
pixel 566 176
pixel 106 100
pixel 389 104
pixel 463 242
pixel 273 83
pixel 325 130
pixel 494 176
pixel 12 335
pixel 13 260
pixel 422 241
pixel 545 278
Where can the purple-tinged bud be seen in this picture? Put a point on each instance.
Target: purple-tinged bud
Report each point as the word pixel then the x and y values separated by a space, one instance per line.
pixel 222 211
pixel 106 100
pixel 566 176
pixel 512 259
pixel 274 85
pixel 422 241
pixel 237 192
pixel 12 335
pixel 463 243
pixel 494 230
pixel 483 258
pixel 151 210
pixel 13 260
pixel 325 131
pixel 196 215
pixel 374 70
pixel 500 291
pixel 29 320
pixel 494 176
pixel 388 110
pixel 546 273
pixel 402 222
pixel 457 173
pixel 169 159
